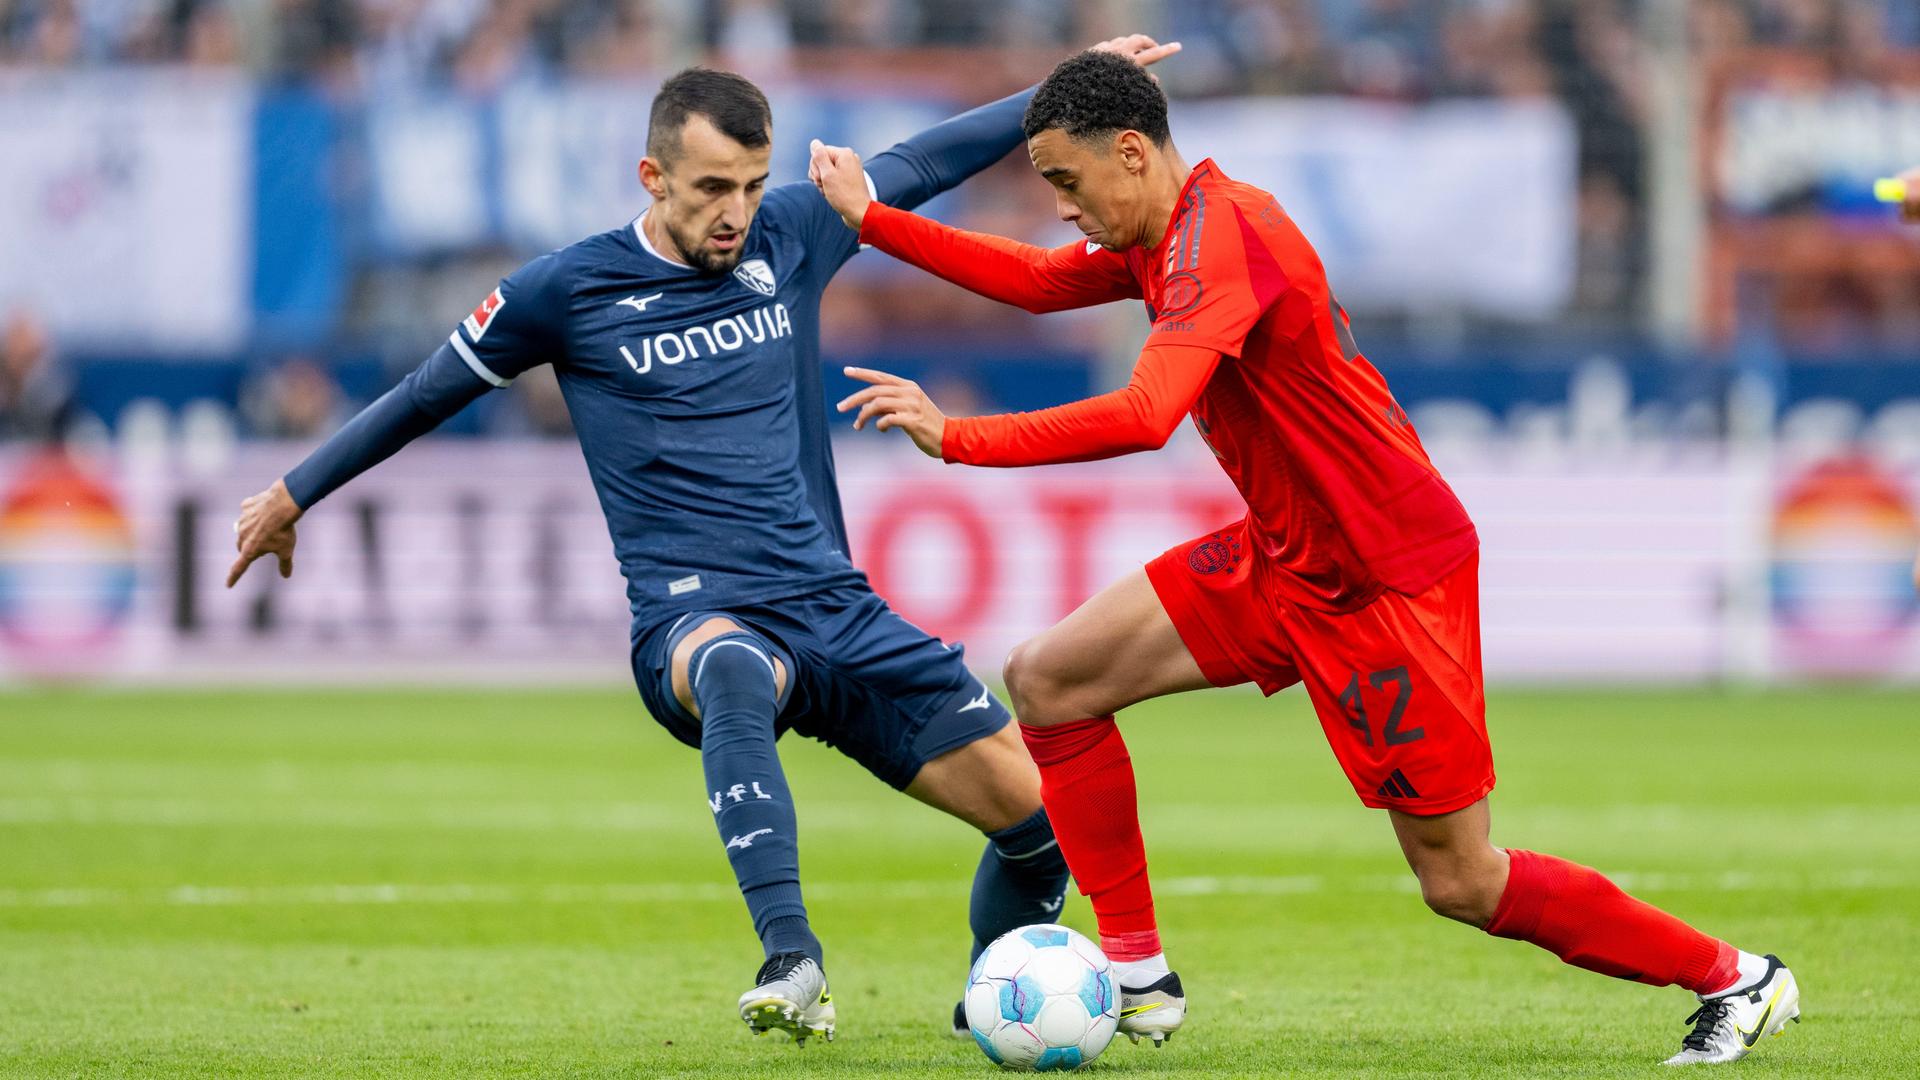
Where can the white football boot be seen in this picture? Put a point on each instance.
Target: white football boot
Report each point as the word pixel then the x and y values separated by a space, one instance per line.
pixel 1153 1012
pixel 1727 1026
pixel 792 996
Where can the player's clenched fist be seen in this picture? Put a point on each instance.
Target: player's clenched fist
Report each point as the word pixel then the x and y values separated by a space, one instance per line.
pixel 265 527
pixel 836 171
pixel 894 402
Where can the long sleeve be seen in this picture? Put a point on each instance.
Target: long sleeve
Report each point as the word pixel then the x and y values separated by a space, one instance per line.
pixel 435 390
pixel 924 165
pixel 1027 276
pixel 518 326
pixel 1142 415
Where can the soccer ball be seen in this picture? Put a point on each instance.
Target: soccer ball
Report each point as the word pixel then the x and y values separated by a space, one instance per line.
pixel 1042 998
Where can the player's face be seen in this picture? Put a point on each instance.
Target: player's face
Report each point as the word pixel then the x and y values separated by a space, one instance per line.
pixel 1097 184
pixel 708 194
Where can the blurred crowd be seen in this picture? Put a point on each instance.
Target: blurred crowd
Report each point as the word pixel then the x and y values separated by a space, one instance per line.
pixel 1588 54
pixel 1393 48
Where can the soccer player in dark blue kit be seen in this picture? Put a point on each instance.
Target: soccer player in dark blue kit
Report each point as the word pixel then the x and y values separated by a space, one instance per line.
pixel 686 344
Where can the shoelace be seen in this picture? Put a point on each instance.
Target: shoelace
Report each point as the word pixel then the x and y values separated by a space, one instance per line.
pixel 779 965
pixel 1705 1019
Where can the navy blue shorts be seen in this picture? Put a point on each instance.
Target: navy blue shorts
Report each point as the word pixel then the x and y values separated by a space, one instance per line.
pixel 859 678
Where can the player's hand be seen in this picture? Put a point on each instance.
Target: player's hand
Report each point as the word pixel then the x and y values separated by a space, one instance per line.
pixel 1139 48
pixel 265 527
pixel 894 402
pixel 1910 207
pixel 836 171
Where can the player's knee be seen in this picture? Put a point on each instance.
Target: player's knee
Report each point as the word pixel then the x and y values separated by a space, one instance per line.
pixel 1458 891
pixel 695 653
pixel 1034 685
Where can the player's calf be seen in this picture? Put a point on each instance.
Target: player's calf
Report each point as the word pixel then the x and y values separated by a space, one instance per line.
pixel 732 678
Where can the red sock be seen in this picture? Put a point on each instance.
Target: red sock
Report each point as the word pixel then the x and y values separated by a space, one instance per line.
pixel 1574 912
pixel 1086 780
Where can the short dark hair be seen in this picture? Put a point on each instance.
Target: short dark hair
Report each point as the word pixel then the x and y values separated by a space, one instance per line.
pixel 1094 94
pixel 732 104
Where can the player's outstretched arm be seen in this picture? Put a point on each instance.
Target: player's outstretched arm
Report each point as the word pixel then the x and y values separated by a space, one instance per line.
pixel 432 392
pixel 918 168
pixel 1023 275
pixel 514 329
pixel 1139 416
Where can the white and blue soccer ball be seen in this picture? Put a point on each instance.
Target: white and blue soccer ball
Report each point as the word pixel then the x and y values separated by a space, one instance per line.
pixel 1042 998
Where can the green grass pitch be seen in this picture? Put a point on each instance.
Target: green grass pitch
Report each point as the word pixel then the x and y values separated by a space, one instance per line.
pixel 529 884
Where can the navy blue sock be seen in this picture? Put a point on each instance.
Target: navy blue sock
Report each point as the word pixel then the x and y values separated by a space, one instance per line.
pixel 733 682
pixel 1022 880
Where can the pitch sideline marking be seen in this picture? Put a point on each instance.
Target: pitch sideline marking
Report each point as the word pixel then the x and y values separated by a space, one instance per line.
pixel 720 891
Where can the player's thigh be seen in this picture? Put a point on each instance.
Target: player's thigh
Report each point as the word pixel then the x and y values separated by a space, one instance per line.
pixel 1115 650
pixel 989 783
pixel 1402 709
pixel 895 697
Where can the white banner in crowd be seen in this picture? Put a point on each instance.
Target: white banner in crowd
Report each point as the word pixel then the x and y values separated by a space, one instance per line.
pixel 1466 204
pixel 126 206
pixel 1456 205
pixel 461 561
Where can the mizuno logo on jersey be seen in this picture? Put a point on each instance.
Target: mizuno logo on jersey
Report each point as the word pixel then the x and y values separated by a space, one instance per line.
pixel 727 335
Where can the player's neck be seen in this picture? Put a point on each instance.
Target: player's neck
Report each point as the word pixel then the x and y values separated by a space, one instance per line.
pixel 1164 188
pixel 653 228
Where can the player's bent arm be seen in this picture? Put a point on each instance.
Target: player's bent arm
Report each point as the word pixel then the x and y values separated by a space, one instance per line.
pixel 939 158
pixel 916 169
pixel 1023 275
pixel 1139 416
pixel 431 393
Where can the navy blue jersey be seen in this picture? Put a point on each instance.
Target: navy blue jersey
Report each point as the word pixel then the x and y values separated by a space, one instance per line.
pixel 684 393
pixel 696 397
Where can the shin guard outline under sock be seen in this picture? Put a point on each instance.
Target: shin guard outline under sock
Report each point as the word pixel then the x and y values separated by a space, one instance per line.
pixel 1086 781
pixel 1579 915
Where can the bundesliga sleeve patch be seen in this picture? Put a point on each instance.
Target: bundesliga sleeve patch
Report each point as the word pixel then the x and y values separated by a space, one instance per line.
pixel 476 324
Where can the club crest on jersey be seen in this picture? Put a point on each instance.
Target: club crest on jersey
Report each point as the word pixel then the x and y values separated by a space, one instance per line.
pixel 482 316
pixel 755 274
pixel 1179 294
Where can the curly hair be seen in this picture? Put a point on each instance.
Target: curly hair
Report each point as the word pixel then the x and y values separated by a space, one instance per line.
pixel 1094 94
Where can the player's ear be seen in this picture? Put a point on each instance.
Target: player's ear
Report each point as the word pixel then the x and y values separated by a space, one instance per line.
pixel 1132 148
pixel 653 178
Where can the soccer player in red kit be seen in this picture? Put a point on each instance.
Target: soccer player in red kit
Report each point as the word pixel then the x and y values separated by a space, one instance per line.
pixel 1354 571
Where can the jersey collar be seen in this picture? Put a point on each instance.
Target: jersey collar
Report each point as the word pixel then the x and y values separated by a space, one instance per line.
pixel 1206 170
pixel 640 234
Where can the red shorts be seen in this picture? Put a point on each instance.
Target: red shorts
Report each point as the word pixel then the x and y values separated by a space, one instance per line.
pixel 1396 683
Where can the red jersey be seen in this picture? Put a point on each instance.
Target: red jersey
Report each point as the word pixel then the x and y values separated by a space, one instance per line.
pixel 1249 340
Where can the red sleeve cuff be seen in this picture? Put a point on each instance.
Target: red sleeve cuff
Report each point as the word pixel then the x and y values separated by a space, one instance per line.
pixel 875 222
pixel 950 439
